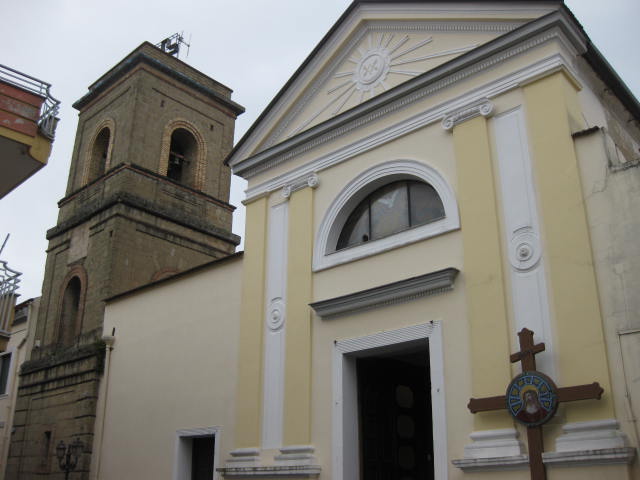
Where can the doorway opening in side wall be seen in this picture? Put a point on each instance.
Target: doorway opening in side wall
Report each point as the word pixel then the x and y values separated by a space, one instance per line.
pixel 197 454
pixel 394 413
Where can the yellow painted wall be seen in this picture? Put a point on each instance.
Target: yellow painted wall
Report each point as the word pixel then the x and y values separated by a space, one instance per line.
pixel 297 394
pixel 249 393
pixel 483 270
pixel 580 347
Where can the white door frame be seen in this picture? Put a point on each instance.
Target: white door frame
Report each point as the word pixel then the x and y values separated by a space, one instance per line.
pixel 182 467
pixel 345 407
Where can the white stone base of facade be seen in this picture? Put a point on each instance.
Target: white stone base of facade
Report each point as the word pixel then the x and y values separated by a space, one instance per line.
pixel 605 456
pixel 516 462
pixel 592 435
pixel 494 443
pixel 293 461
pixel 296 455
pixel 244 457
pixel 493 450
pixel 595 442
pixel 273 471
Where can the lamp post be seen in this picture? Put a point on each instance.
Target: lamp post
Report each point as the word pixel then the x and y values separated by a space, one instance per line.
pixel 68 456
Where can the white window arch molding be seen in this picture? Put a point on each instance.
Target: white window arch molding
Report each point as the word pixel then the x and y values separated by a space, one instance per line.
pixel 325 254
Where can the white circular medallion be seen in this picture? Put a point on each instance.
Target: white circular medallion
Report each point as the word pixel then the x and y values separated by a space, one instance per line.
pixel 275 315
pixel 524 250
pixel 372 69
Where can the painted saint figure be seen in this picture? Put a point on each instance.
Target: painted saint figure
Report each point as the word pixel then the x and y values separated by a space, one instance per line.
pixel 532 412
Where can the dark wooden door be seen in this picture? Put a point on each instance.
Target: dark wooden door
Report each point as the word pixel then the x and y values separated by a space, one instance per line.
pixel 394 397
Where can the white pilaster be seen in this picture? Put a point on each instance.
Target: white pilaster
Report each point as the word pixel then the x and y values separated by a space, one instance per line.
pixel 274 336
pixel 522 234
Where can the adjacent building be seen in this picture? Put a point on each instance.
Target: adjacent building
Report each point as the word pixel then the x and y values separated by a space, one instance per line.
pixel 27 126
pixel 18 330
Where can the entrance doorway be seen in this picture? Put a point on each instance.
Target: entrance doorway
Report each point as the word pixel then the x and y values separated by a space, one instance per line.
pixel 397 345
pixel 394 414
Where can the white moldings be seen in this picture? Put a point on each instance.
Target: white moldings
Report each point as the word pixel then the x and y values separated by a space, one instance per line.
pixel 389 294
pixel 606 456
pixel 530 298
pixel 275 315
pixel 556 27
pixel 391 132
pixel 503 443
pixel 274 333
pixel 311 181
pixel 592 435
pixel 278 471
pixel 518 462
pixel 324 254
pixel 328 49
pixel 296 455
pixel 243 457
pixel 345 410
pixel 365 74
pixel 182 466
pixel 482 107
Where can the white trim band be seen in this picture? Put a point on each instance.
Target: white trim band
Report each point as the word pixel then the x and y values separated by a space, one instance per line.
pixel 391 293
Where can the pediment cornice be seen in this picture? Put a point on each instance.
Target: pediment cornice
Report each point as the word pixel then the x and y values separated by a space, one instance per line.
pixel 554 26
pixel 355 23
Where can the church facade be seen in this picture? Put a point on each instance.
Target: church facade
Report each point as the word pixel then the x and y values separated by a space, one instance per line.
pixel 506 113
pixel 435 178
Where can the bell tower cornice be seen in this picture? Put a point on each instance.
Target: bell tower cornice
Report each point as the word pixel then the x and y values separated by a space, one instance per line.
pixel 147 54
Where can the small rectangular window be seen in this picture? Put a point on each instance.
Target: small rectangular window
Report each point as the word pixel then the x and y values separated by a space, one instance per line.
pixel 5 363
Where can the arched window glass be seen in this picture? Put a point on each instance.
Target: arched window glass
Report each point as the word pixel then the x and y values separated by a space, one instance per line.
pixel 99 154
pixel 393 208
pixel 69 312
pixel 182 157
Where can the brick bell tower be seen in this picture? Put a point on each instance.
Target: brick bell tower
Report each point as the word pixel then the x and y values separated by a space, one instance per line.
pixel 146 197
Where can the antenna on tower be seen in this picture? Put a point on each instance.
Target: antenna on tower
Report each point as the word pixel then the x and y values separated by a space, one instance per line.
pixel 172 44
pixel 4 243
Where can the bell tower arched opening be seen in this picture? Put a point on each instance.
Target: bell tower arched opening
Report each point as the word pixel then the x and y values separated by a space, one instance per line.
pixel 69 312
pixel 183 157
pixel 99 154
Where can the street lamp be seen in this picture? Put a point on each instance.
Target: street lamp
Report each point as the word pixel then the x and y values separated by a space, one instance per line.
pixel 68 456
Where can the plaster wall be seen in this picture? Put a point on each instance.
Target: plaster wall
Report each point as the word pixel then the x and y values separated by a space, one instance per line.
pixel 175 361
pixel 611 198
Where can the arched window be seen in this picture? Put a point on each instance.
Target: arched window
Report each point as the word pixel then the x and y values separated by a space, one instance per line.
pixel 392 204
pixel 68 324
pixel 183 155
pixel 390 209
pixel 99 154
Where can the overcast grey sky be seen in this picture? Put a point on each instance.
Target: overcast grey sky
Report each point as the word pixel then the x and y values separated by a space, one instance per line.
pixel 252 46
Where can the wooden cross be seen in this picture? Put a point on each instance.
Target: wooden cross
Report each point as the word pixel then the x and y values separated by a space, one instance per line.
pixel 526 356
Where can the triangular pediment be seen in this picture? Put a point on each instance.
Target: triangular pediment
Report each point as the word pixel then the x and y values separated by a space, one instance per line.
pixel 382 56
pixel 371 50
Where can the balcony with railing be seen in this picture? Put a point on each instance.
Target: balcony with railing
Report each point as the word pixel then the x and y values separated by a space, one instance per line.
pixel 9 281
pixel 28 119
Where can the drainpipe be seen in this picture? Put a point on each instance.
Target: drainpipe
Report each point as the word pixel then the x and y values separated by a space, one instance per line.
pixel 109 340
